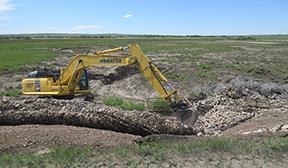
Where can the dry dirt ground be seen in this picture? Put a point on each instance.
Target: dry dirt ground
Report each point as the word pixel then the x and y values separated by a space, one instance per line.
pixel 38 137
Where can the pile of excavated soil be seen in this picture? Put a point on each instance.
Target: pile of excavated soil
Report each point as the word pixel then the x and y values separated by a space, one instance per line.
pixel 132 87
pixel 31 110
pixel 126 82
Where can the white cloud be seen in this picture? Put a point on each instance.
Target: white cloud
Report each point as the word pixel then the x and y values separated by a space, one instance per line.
pixel 5 5
pixel 86 28
pixel 127 16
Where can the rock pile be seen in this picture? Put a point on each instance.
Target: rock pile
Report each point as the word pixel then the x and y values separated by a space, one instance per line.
pixel 236 101
pixel 220 113
pixel 31 110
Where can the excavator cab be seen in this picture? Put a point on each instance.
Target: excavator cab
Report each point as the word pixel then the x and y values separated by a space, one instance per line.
pixel 84 83
pixel 37 83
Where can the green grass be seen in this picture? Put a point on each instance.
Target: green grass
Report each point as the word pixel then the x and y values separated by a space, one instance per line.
pixel 204 66
pixel 265 146
pixel 123 104
pixel 12 92
pixel 154 152
pixel 13 54
pixel 59 156
pixel 173 75
pixel 159 105
pixel 196 58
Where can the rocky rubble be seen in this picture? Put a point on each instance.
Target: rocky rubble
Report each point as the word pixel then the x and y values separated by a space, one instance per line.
pixel 224 113
pixel 236 101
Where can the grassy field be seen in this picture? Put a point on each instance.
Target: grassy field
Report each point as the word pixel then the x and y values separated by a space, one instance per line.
pixel 169 152
pixel 189 58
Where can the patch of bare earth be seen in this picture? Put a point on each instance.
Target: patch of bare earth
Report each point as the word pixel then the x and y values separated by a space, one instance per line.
pixel 27 138
pixel 268 120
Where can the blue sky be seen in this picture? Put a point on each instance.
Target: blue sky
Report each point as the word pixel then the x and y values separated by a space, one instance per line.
pixel 180 17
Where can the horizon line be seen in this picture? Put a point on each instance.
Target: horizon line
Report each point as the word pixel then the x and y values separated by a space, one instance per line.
pixel 144 34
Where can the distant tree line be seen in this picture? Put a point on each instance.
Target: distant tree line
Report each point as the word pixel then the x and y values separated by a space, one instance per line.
pixel 51 35
pixel 225 37
pixel 41 36
pixel 18 37
pixel 38 36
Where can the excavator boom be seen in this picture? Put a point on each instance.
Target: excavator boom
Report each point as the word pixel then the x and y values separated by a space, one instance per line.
pixel 68 81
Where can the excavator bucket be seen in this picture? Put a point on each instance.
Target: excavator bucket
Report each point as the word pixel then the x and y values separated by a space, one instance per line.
pixel 186 112
pixel 188 116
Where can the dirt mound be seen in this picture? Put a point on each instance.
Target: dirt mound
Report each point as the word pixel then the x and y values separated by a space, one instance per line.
pixel 242 87
pixel 25 110
pixel 132 87
pixel 115 74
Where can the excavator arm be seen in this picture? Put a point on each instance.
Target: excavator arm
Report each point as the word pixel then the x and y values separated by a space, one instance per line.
pixel 150 71
pixel 67 83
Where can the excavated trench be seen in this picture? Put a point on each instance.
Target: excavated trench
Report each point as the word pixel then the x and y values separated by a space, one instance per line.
pixel 34 110
pixel 226 105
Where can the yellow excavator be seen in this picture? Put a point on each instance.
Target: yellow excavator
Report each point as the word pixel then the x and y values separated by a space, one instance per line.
pixel 74 78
